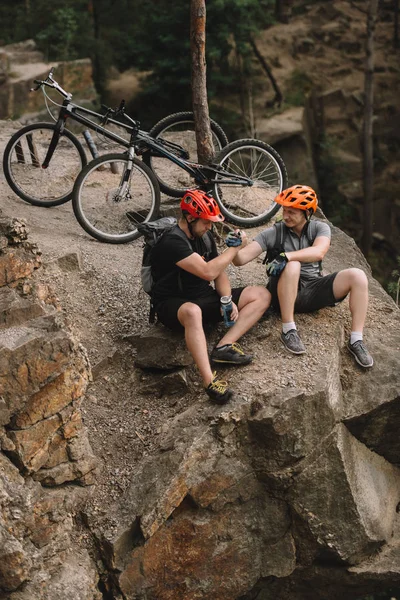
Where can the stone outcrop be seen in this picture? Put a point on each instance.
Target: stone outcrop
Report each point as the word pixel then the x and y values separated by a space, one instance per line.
pixel 285 489
pixel 318 61
pixel 21 63
pixel 43 376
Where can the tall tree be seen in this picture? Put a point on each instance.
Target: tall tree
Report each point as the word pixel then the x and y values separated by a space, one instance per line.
pixel 205 150
pixel 368 162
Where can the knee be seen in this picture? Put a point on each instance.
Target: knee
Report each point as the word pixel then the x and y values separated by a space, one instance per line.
pixel 257 294
pixel 264 297
pixel 189 314
pixel 292 269
pixel 357 278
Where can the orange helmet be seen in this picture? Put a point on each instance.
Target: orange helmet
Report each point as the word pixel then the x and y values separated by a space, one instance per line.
pixel 298 196
pixel 201 206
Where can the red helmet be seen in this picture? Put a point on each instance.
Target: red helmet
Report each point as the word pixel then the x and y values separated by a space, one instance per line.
pixel 201 206
pixel 298 196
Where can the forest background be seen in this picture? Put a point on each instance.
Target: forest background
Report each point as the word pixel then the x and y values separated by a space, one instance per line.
pixel 153 38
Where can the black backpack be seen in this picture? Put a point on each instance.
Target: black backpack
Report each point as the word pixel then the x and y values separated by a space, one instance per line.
pixel 280 235
pixel 152 232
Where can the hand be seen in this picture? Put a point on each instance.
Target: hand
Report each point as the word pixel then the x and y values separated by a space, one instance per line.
pixel 235 312
pixel 234 239
pixel 276 266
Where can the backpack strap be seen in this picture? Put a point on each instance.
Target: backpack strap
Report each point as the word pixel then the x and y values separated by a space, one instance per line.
pixel 280 234
pixel 311 233
pixel 278 247
pixel 208 240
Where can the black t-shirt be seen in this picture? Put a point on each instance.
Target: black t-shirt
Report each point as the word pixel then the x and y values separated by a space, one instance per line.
pixel 170 280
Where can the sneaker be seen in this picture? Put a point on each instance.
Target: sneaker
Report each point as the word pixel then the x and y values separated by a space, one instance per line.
pixel 292 342
pixel 361 354
pixel 231 354
pixel 218 391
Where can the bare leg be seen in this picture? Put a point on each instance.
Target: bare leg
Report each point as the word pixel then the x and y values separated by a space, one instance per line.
pixel 190 316
pixel 287 290
pixel 355 283
pixel 253 302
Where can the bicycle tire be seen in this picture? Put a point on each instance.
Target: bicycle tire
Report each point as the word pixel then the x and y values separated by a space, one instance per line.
pixel 179 128
pixel 250 206
pixel 101 212
pixel 23 156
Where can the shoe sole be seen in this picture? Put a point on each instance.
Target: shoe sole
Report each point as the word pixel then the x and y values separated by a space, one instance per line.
pixel 220 402
pixel 358 362
pixel 293 351
pixel 231 363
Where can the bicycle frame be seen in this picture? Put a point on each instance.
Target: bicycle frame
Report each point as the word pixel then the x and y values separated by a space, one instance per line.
pixel 138 143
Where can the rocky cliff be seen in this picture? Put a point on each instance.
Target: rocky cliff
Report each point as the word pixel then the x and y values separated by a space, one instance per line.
pixel 44 446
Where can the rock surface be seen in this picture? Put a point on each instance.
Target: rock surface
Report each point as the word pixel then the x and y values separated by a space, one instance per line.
pixel 43 377
pixel 21 63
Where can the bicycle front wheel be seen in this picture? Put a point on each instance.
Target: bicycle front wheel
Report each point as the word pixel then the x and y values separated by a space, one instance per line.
pixel 23 159
pixel 179 129
pixel 250 205
pixel 109 199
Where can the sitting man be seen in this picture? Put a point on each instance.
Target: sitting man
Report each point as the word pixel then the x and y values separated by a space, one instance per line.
pixel 295 249
pixel 183 264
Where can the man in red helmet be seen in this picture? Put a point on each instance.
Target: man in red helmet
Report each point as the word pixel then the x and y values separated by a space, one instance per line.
pixel 183 264
pixel 295 249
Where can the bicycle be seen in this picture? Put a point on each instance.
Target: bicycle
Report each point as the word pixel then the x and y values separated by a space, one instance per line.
pixel 41 161
pixel 109 197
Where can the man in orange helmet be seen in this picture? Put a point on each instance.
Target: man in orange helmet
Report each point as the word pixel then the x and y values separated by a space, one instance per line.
pixel 295 249
pixel 183 264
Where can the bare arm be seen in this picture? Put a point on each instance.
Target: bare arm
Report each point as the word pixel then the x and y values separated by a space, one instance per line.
pixel 208 270
pixel 314 253
pixel 247 254
pixel 222 284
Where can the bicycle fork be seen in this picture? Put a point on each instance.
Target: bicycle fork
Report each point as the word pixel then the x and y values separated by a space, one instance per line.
pixel 126 175
pixel 53 143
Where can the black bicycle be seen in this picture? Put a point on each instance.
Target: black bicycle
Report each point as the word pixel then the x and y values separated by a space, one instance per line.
pixel 111 194
pixel 41 161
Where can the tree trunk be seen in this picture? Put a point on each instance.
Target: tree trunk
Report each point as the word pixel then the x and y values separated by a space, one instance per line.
pixel 368 165
pixel 280 12
pixel 205 148
pixel 396 43
pixel 277 99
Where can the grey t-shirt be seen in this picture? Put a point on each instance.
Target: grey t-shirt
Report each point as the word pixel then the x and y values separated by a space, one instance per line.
pixel 292 242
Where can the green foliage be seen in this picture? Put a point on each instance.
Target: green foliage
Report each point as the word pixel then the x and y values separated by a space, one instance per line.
pixel 334 205
pixel 394 286
pixel 58 36
pixel 14 25
pixel 166 52
pixel 152 37
pixel 297 88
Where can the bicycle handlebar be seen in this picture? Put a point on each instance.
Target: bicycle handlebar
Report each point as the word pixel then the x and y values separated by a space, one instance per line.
pixel 50 82
pixel 119 112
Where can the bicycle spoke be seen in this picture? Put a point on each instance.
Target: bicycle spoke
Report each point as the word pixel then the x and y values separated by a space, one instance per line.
pixel 107 206
pixel 24 165
pixel 243 204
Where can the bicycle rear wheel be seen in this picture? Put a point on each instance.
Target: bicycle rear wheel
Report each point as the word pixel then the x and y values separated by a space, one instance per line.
pixel 23 159
pixel 250 206
pixel 179 129
pixel 104 208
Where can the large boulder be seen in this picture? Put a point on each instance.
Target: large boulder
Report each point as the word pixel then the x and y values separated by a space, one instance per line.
pixel 298 471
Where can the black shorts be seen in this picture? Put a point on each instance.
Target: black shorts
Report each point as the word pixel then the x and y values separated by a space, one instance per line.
pixel 167 310
pixel 313 293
